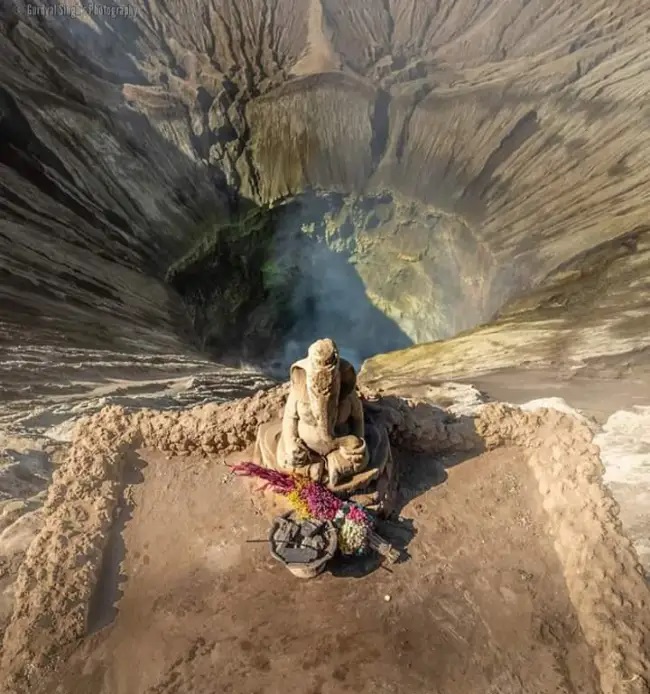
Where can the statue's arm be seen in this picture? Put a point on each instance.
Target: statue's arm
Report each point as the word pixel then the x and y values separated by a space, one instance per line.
pixel 290 419
pixel 356 417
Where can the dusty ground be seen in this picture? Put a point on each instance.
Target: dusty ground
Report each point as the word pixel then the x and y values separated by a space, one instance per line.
pixel 478 605
pixel 520 576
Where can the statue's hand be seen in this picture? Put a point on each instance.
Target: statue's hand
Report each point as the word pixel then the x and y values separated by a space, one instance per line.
pixel 300 455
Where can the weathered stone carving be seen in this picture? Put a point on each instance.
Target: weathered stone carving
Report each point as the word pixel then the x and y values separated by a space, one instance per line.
pixel 324 432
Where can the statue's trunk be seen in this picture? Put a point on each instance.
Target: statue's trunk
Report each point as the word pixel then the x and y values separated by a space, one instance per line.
pixel 324 386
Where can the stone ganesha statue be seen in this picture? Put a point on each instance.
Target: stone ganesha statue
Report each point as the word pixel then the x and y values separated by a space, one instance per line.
pixel 323 432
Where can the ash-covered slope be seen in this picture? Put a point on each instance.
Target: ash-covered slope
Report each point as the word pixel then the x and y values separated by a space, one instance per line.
pixel 519 126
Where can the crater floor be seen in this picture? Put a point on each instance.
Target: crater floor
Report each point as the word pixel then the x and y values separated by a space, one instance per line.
pixel 203 607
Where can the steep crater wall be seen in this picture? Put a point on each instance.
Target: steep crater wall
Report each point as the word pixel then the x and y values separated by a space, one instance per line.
pixel 508 136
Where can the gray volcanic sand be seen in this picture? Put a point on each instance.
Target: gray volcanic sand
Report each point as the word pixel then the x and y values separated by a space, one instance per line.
pixel 480 606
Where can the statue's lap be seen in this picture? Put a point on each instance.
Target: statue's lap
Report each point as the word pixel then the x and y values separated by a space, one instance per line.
pixel 374 447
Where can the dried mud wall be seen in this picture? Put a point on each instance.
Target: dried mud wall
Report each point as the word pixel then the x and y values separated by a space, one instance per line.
pixel 601 568
pixel 603 575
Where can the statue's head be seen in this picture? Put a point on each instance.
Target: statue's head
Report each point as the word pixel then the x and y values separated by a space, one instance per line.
pixel 322 372
pixel 323 368
pixel 323 354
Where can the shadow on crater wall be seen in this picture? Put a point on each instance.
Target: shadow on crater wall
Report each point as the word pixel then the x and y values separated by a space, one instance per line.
pixel 258 286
